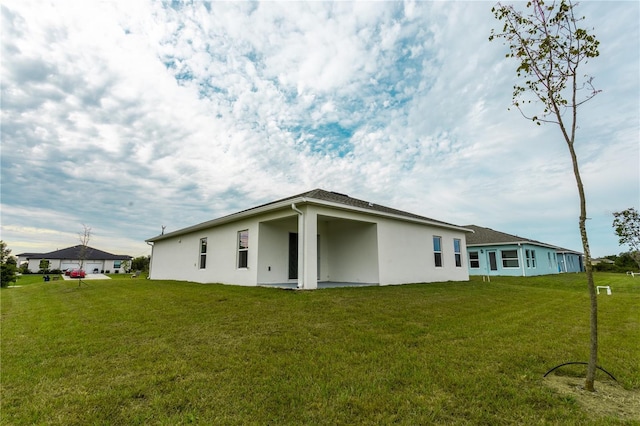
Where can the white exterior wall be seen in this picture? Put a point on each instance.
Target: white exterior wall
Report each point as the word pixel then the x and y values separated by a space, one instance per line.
pixel 88 265
pixel 103 265
pixel 407 256
pixel 178 258
pixel 34 264
pixel 354 247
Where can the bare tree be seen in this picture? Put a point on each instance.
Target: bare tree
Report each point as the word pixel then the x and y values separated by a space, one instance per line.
pixel 550 46
pixel 84 238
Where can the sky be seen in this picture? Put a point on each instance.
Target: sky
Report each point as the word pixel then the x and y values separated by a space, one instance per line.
pixel 126 116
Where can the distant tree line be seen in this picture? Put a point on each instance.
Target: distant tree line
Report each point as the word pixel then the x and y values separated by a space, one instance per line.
pixel 622 262
pixel 141 263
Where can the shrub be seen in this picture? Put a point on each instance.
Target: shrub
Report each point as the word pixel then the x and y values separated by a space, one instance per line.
pixel 7 274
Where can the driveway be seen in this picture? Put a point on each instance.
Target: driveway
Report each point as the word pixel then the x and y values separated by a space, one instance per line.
pixel 89 277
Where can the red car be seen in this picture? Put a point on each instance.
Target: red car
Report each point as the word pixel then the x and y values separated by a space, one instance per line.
pixel 77 273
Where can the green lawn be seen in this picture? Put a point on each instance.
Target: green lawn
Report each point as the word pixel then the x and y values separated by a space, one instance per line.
pixel 135 351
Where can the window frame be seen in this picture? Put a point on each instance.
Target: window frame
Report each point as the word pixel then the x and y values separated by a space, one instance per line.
pixel 507 262
pixel 530 255
pixel 457 252
pixel 202 253
pixel 243 250
pixel 473 259
pixel 437 251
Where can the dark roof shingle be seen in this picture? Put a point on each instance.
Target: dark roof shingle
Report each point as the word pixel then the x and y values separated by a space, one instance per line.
pixel 488 236
pixel 483 235
pixel 75 253
pixel 319 195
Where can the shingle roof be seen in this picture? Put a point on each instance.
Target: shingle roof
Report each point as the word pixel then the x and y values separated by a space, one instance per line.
pixel 483 235
pixel 76 251
pixel 336 197
pixel 319 195
pixel 487 236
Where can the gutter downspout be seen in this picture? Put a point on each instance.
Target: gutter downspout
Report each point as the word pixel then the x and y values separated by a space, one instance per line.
pixel 300 245
pixel 150 259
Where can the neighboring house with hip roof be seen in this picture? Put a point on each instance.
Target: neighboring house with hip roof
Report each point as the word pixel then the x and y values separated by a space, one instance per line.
pixel 90 259
pixel 314 237
pixel 493 252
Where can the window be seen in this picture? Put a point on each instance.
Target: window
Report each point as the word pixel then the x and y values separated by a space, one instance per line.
pixel 531 258
pixel 437 251
pixel 203 253
pixel 549 256
pixel 474 259
pixel 510 259
pixel 243 248
pixel 456 251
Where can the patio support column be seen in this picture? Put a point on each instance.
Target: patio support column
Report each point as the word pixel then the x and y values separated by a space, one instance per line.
pixel 310 249
pixel 300 245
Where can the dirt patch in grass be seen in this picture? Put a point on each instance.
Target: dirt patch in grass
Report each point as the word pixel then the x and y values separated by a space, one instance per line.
pixel 609 399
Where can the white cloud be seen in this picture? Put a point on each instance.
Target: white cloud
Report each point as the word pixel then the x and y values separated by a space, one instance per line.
pixel 135 115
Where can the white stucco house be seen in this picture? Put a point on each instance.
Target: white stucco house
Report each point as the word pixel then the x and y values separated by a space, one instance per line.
pixel 90 259
pixel 310 238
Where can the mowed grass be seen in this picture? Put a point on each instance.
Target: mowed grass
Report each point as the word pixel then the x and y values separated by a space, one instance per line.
pixel 131 351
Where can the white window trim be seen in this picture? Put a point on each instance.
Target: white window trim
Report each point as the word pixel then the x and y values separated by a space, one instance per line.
pixel 202 254
pixel 240 250
pixel 517 259
pixel 437 251
pixel 533 259
pixel 477 259
pixel 457 253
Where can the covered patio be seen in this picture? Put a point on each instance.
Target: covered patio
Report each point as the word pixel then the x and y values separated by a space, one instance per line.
pixel 317 250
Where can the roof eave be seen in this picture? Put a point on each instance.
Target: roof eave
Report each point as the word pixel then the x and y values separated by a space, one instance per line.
pixel 506 243
pixel 227 219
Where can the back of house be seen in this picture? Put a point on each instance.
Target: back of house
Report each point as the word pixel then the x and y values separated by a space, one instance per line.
pixel 314 237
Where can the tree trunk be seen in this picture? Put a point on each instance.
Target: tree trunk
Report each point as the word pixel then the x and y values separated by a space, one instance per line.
pixel 593 317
